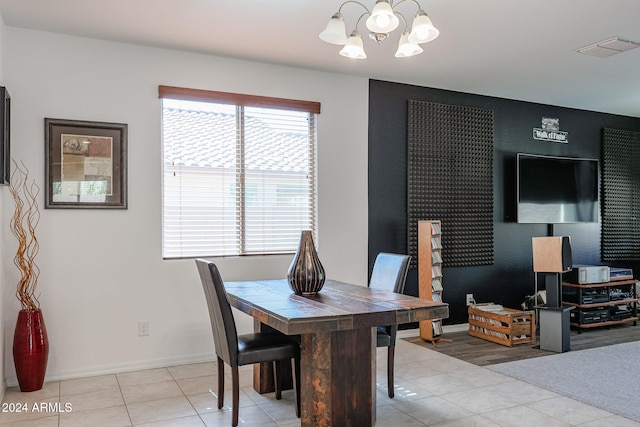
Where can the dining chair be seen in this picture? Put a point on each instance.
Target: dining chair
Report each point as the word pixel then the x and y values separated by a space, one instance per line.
pixel 237 350
pixel 389 273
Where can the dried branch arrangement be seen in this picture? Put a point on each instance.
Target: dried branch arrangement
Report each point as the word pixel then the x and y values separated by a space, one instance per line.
pixel 23 224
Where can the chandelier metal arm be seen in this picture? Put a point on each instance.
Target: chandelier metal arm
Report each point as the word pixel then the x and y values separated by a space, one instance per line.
pixel 359 19
pixel 406 24
pixel 393 5
pixel 361 16
pixel 356 2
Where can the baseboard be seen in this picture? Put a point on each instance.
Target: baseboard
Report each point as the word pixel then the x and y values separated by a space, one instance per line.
pixel 118 368
pixel 12 381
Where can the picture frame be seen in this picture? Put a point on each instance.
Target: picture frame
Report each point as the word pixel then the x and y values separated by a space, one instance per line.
pixel 5 136
pixel 86 164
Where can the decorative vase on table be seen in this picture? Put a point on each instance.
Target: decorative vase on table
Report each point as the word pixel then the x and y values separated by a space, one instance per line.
pixel 30 350
pixel 306 274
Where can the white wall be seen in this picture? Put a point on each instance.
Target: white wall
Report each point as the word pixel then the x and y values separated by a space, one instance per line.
pixel 102 270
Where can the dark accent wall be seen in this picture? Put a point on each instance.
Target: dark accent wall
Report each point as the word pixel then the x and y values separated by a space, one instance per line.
pixel 621 195
pixel 450 178
pixel 510 278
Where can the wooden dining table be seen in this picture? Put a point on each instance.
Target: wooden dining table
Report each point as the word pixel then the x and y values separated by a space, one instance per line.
pixel 338 339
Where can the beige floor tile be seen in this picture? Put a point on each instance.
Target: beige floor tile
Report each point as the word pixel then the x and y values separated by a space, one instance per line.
pixel 433 410
pixel 568 410
pixel 48 390
pixel 520 392
pixel 208 402
pixel 50 421
pixel 479 400
pixel 16 411
pixel 199 385
pixel 116 416
pixel 393 417
pixel 406 391
pixel 473 421
pixel 440 384
pixel 160 410
pixel 95 400
pixel 479 376
pixel 87 385
pixel 252 416
pixel 193 421
pixel 382 398
pixel 194 370
pixel 282 411
pixel 153 391
pixel 262 399
pixel 521 416
pixel 431 389
pixel 144 377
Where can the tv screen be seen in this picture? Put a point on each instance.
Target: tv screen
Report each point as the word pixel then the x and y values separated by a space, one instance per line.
pixel 554 190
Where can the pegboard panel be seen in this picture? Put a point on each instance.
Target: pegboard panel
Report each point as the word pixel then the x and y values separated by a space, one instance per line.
pixel 620 195
pixel 450 178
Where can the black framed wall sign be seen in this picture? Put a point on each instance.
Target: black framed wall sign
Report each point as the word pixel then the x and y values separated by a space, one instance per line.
pixel 5 135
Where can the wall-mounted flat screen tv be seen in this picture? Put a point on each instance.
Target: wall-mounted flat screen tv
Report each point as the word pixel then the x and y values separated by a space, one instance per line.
pixel 555 190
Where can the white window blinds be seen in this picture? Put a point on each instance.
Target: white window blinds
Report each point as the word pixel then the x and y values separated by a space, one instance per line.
pixel 238 173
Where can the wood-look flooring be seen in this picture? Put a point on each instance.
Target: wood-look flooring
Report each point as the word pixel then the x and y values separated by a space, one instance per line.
pixel 482 352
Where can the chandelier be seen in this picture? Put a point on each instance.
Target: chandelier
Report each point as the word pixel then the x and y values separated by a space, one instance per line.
pixel 382 20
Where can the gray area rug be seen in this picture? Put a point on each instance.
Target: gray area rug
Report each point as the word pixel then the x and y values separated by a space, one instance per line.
pixel 605 377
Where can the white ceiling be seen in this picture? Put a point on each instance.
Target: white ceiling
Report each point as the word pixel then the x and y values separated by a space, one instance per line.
pixel 517 49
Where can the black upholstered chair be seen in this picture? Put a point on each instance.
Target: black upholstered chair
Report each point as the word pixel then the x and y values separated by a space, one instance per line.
pixel 389 273
pixel 237 350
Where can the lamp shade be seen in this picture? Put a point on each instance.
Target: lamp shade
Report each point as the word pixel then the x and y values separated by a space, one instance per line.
pixel 334 32
pixel 422 29
pixel 382 19
pixel 354 48
pixel 406 48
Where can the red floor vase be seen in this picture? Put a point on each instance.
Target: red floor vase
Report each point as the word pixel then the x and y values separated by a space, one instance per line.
pixel 30 350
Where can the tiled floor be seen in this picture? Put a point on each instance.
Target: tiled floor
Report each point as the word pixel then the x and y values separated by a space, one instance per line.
pixel 431 390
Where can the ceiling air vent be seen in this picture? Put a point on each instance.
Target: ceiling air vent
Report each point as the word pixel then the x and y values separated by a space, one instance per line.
pixel 608 47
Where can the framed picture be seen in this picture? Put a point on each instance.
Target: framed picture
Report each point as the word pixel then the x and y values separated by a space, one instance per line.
pixel 86 164
pixel 5 134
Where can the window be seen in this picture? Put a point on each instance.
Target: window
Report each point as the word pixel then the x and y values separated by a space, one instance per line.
pixel 238 173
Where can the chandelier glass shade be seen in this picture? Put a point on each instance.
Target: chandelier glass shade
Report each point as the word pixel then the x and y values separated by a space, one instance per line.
pixel 381 20
pixel 406 48
pixel 354 47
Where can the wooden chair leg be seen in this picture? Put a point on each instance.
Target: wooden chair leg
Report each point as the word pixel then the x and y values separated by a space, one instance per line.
pixel 277 372
pixel 220 383
pixel 296 383
pixel 236 395
pixel 391 350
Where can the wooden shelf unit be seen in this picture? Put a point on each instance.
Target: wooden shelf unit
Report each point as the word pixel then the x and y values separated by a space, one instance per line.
pixel 601 307
pixel 430 274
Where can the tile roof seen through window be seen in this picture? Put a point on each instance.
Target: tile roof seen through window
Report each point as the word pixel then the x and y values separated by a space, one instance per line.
pixel 207 139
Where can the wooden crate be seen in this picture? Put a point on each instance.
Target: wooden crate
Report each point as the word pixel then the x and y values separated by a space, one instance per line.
pixel 507 326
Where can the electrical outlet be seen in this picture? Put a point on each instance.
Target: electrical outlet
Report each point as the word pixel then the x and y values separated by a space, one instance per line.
pixel 470 300
pixel 143 328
